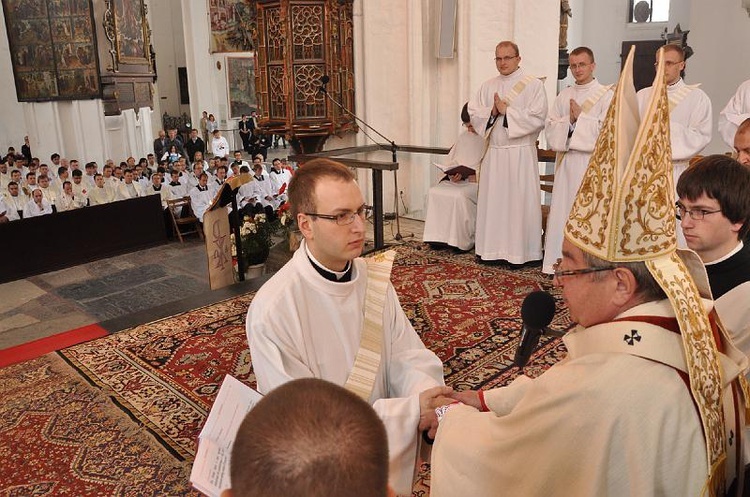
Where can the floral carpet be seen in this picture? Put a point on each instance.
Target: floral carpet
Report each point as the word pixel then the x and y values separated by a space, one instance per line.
pixel 120 415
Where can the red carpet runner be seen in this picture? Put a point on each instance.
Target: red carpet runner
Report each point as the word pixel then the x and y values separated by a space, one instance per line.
pixel 37 348
pixel 120 415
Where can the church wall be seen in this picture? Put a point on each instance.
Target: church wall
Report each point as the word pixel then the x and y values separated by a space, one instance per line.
pixel 720 35
pixel 167 35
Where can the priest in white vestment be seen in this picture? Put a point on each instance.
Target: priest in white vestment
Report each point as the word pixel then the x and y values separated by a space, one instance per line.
pixel 308 319
pixel 734 113
pixel 512 107
pixel 201 197
pixel 645 403
pixel 37 205
pixel 452 204
pixel 571 129
pixel 690 118
pixel 100 194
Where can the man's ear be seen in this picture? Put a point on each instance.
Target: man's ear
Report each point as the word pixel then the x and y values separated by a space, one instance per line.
pixel 626 286
pixel 304 222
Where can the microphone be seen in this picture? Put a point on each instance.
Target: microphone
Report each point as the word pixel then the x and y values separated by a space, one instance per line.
pixel 537 311
pixel 323 82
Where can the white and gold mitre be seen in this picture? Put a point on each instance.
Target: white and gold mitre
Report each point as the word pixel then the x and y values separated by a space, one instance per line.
pixel 624 212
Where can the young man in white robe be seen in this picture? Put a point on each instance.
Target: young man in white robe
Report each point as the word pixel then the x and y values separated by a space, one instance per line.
pixel 307 320
pixel 200 197
pixel 646 401
pixel 68 200
pixel 279 177
pixel 452 204
pixel 128 188
pixel 571 129
pixel 690 118
pixel 511 107
pixel 100 194
pixel 734 113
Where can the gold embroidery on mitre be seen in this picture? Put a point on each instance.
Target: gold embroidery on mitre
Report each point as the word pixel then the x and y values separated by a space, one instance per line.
pixel 700 349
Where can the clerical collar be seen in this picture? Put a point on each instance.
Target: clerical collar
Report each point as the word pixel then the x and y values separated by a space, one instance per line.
pixel 156 188
pixel 730 254
pixel 174 183
pixel 275 171
pixel 257 178
pixel 336 276
pixel 201 188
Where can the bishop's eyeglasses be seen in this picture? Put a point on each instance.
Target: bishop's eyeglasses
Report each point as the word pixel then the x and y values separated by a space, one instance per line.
pixel 345 218
pixel 559 273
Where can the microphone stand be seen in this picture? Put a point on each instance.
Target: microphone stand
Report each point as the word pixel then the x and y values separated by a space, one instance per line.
pixel 394 150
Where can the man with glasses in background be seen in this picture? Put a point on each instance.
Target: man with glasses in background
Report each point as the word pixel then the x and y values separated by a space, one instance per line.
pixel 690 118
pixel 318 317
pixel 510 110
pixel 714 210
pixel 571 129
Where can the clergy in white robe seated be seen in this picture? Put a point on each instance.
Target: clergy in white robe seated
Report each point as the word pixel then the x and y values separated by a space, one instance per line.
pixel 201 197
pixel 128 188
pixel 308 319
pixel 157 188
pixel 452 204
pixel 100 194
pixel 279 177
pixel 571 129
pixel 37 206
pixel 15 199
pixel 68 200
pixel 7 213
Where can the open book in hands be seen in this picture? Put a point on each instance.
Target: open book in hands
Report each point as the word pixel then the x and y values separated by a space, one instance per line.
pixel 451 169
pixel 210 473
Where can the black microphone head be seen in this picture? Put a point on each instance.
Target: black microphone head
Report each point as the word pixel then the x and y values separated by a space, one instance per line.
pixel 325 79
pixel 538 309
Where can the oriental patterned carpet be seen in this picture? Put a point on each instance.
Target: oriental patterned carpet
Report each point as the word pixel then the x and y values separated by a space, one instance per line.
pixel 120 415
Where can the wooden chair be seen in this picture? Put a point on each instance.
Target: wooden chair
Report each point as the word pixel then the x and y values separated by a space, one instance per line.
pixel 182 215
pixel 546 181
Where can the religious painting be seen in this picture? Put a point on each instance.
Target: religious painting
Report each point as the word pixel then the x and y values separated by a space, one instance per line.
pixel 241 86
pixel 231 25
pixel 53 49
pixel 131 31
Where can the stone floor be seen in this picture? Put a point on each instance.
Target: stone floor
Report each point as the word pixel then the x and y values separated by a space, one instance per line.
pixel 126 290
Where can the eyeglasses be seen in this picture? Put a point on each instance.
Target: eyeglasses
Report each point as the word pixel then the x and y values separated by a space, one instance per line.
pixel 582 65
pixel 695 214
pixel 345 218
pixel 559 273
pixel 669 63
pixel 505 59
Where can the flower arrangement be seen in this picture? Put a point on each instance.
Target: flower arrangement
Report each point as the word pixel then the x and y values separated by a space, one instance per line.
pixel 256 233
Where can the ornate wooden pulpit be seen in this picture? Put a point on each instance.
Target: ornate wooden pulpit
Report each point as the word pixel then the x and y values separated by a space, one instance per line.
pixel 297 43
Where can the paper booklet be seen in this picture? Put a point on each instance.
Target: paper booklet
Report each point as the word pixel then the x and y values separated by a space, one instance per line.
pixel 451 169
pixel 210 473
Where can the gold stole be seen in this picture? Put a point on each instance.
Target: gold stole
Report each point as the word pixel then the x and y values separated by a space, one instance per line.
pixel 678 96
pixel 362 378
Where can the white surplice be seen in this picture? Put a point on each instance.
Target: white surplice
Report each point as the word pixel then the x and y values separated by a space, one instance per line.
pixel 200 200
pixel 509 216
pixel 452 206
pixel 300 325
pixel 690 123
pixel 604 421
pixel 734 113
pixel 577 144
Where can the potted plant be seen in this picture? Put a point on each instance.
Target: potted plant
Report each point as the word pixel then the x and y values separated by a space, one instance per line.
pixel 256 233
